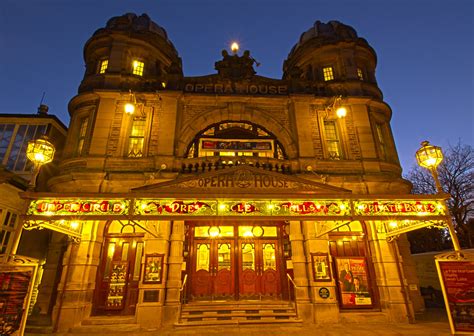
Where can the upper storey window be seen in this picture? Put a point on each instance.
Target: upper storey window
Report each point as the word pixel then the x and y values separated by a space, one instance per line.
pixel 82 135
pixel 381 139
pixel 333 144
pixel 235 139
pixel 137 67
pixel 360 74
pixel 136 140
pixel 103 66
pixel 328 74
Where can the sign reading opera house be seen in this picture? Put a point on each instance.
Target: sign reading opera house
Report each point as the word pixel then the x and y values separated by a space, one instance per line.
pixel 231 186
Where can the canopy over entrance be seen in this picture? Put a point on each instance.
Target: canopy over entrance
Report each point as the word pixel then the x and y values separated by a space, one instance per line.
pixel 236 193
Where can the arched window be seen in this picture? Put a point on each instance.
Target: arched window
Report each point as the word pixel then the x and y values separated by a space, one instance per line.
pixel 235 138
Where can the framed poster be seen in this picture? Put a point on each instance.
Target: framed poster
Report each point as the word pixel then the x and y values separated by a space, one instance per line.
pixel 16 286
pixel 321 268
pixel 457 283
pixel 353 282
pixel 153 268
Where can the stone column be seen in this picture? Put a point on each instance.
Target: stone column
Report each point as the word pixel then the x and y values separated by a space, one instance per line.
pixel 301 275
pixel 76 288
pixel 387 276
pixel 173 282
pixel 149 311
pixel 49 281
pixel 325 309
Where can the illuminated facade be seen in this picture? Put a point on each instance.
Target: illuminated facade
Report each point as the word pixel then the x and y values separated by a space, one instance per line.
pixel 181 191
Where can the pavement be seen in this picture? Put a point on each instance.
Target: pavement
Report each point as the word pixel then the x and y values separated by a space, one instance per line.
pixel 434 323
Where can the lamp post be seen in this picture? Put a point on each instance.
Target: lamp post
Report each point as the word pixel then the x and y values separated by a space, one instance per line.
pixel 429 157
pixel 40 152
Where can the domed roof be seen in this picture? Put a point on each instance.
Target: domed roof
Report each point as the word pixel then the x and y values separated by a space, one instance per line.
pixel 327 33
pixel 130 22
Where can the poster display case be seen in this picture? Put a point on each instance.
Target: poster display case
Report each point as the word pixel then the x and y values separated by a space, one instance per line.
pixel 353 282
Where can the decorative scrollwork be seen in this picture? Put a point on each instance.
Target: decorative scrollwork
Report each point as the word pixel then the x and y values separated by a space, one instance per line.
pixel 392 238
pixel 32 224
pixel 74 240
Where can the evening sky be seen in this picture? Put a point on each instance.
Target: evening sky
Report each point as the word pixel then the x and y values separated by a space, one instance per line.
pixel 424 48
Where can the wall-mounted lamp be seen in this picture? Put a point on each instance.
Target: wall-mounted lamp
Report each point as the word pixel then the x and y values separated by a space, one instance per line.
pixel 129 106
pixel 322 177
pixel 336 107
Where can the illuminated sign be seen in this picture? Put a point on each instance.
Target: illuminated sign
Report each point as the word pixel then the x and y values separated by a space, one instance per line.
pixel 399 208
pixel 166 207
pixel 396 228
pixel 213 207
pixel 48 207
pixel 175 207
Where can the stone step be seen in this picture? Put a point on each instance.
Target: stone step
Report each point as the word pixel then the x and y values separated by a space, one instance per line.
pixel 103 329
pixel 292 322
pixel 38 329
pixel 109 320
pixel 237 314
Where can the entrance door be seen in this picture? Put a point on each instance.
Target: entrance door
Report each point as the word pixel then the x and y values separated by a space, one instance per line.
pixel 118 276
pixel 259 270
pixel 213 269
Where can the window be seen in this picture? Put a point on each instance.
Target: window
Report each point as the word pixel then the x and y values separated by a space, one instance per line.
pixel 17 160
pixel 328 74
pixel 381 140
pixel 6 132
pixel 237 139
pixel 82 135
pixel 7 229
pixel 137 137
pixel 138 68
pixel 360 74
pixel 103 66
pixel 332 140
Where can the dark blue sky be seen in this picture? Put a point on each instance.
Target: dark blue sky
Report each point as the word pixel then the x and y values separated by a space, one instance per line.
pixel 424 47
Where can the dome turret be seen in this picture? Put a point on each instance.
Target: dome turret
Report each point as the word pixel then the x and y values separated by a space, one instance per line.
pixel 332 53
pixel 130 52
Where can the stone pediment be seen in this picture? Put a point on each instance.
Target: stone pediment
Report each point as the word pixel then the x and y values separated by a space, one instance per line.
pixel 241 180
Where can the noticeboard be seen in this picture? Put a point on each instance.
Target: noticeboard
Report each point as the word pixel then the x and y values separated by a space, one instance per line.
pixel 16 282
pixel 457 282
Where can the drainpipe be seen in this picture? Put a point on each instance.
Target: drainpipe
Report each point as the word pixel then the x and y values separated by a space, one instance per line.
pixel 61 298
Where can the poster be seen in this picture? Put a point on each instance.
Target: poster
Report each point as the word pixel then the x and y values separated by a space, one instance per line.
pixel 353 282
pixel 321 271
pixel 16 284
pixel 153 268
pixel 457 280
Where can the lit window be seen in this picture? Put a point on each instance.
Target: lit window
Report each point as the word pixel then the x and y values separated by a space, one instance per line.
pixel 137 137
pixel 7 229
pixel 382 144
pixel 332 140
pixel 138 68
pixel 82 135
pixel 103 66
pixel 360 74
pixel 328 74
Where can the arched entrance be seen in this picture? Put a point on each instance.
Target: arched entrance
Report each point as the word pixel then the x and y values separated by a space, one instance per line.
pixel 118 275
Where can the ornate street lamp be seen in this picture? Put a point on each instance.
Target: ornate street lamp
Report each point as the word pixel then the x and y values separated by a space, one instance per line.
pixel 336 107
pixel 39 151
pixel 429 157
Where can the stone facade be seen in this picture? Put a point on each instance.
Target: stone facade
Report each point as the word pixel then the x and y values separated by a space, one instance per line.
pixel 336 156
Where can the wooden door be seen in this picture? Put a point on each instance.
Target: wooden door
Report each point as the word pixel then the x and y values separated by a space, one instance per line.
pixel 259 269
pixel 118 276
pixel 213 269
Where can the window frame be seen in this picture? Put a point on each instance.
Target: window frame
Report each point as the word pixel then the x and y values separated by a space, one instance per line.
pixel 338 139
pixel 80 151
pixel 331 73
pixel 6 229
pixel 100 69
pixel 138 61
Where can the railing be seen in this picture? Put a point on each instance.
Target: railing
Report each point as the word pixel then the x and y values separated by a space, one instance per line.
pixel 203 164
pixel 291 282
pixel 182 296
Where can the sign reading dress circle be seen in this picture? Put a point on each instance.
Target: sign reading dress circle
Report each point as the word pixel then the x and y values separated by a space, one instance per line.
pixel 324 293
